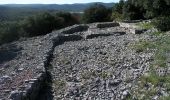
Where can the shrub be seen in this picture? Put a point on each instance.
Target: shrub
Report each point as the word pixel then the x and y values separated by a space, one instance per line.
pixel 117 16
pixel 162 23
pixel 40 24
pixel 9 32
pixel 45 23
pixel 145 25
pixel 96 13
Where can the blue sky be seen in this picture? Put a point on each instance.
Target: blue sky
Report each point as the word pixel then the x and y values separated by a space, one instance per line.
pixel 51 1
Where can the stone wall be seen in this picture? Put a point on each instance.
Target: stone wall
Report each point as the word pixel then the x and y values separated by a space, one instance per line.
pixel 34 85
pixel 49 42
pixel 132 28
pixel 74 28
pixel 108 24
pixel 36 55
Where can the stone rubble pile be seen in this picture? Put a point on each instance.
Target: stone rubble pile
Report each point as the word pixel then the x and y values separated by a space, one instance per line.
pixel 99 67
pixel 88 62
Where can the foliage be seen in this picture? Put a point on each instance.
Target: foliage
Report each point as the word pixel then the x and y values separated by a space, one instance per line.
pixel 143 9
pixel 133 10
pixel 149 83
pixel 118 7
pixel 96 13
pixel 162 23
pixel 39 24
pixel 9 31
pixel 142 46
pixel 116 16
pixel 118 10
pixel 147 25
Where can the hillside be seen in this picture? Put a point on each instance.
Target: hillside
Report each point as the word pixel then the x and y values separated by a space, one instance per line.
pixel 91 61
pixel 62 7
pixel 13 12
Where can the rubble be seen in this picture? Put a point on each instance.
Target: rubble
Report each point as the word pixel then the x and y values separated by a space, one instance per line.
pixel 90 61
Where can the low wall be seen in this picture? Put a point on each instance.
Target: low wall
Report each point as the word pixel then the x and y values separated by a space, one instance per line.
pixel 74 29
pixel 34 85
pixel 42 56
pixel 107 24
pixel 48 42
pixel 132 28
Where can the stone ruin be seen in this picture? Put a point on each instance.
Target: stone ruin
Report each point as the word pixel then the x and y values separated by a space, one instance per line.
pixel 75 63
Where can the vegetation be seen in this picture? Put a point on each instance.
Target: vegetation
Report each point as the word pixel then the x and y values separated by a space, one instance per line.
pixel 96 13
pixel 35 25
pixel 144 9
pixel 146 25
pixel 142 46
pixel 46 22
pixel 162 23
pixel 26 21
pixel 117 12
pixel 149 83
pixel 33 20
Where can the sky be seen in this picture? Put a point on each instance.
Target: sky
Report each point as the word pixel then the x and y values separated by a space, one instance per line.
pixel 52 1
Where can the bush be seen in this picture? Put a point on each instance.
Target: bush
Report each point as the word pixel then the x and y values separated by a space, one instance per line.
pixel 46 22
pixel 117 16
pixel 96 13
pixel 9 32
pixel 40 24
pixel 68 18
pixel 162 23
pixel 117 11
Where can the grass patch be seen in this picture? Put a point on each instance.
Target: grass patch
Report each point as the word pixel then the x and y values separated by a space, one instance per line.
pixel 161 45
pixel 158 33
pixel 147 25
pixel 155 79
pixel 142 46
pixel 162 49
pixel 165 98
pixel 148 85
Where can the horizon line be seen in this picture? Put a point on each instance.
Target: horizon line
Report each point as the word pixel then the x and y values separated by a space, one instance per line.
pixel 51 3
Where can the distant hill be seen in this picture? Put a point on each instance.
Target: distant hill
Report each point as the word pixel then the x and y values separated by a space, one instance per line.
pixel 78 7
pixel 14 12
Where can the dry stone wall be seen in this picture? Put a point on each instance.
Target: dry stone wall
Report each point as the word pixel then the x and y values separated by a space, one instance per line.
pixel 23 75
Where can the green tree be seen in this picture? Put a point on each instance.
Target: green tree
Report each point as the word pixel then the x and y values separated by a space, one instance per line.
pixel 96 13
pixel 132 10
pixel 118 7
pixel 117 11
pixel 9 31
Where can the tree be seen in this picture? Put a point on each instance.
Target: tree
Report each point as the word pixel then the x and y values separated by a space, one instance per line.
pixel 96 13
pixel 118 7
pixel 132 10
pixel 45 23
pixel 9 32
pixel 117 10
pixel 68 19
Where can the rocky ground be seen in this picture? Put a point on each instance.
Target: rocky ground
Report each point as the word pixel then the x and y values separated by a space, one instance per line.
pixel 22 62
pixel 90 62
pixel 102 67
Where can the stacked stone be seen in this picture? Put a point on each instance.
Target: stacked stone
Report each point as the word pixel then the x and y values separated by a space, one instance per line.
pixel 101 67
pixel 22 77
pixel 83 68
